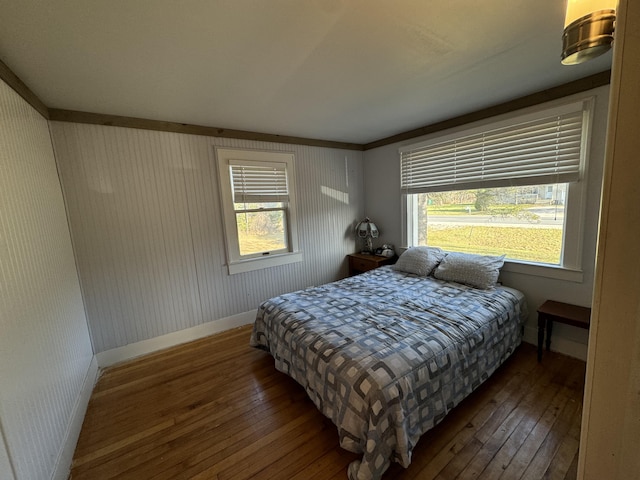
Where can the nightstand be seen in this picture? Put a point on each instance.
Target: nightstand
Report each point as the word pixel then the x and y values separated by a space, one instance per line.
pixel 551 311
pixel 360 263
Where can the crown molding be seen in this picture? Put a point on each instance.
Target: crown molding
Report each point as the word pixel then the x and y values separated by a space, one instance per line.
pixel 11 79
pixel 566 89
pixel 147 124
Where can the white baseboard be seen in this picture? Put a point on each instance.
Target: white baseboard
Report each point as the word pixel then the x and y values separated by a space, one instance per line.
pixel 133 350
pixel 558 344
pixel 65 456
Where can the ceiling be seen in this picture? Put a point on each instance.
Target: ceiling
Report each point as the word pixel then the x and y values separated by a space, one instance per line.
pixel 343 70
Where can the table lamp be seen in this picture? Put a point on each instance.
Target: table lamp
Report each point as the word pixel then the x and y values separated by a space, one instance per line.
pixel 367 230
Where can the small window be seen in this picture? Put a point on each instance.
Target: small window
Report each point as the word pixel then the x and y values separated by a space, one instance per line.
pixel 513 187
pixel 258 199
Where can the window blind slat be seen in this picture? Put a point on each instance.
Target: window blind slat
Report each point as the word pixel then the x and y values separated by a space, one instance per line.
pixel 539 154
pixel 562 169
pixel 479 142
pixel 544 150
pixel 259 183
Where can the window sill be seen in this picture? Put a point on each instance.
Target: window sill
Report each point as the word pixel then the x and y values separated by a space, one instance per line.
pixel 546 271
pixel 243 266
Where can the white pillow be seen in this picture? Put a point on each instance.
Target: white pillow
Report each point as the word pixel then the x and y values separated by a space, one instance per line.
pixel 480 271
pixel 419 260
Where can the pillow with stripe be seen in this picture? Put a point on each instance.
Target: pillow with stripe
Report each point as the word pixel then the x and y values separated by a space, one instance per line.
pixel 479 271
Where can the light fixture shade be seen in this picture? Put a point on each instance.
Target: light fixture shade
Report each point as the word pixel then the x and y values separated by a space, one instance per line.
pixel 588 29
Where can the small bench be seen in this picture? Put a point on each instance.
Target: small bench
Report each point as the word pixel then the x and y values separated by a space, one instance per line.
pixel 552 311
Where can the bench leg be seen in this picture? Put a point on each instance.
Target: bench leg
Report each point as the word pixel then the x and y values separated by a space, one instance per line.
pixel 549 328
pixel 540 336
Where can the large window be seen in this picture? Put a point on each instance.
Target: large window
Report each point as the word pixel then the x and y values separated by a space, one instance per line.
pixel 514 187
pixel 257 198
pixel 525 223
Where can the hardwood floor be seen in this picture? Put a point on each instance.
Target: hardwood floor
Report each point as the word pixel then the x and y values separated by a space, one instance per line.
pixel 217 409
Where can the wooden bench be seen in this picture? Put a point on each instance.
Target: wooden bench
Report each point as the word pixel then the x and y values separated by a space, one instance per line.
pixel 552 311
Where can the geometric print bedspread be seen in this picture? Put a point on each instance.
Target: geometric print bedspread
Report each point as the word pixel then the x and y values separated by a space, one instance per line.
pixel 386 355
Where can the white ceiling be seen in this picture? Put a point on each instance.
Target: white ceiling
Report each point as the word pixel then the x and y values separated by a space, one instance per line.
pixel 343 70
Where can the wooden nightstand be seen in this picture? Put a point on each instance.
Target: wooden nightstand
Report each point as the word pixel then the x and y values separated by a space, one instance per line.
pixel 360 263
pixel 551 311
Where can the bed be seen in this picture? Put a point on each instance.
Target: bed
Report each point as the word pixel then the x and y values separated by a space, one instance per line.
pixel 386 354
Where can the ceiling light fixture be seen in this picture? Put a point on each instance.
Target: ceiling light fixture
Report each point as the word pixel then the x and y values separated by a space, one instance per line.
pixel 588 30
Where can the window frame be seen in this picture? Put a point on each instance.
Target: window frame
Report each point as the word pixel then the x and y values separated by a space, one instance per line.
pixel 237 263
pixel 570 267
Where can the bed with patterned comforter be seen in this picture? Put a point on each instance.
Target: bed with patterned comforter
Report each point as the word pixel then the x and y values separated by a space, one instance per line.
pixel 385 355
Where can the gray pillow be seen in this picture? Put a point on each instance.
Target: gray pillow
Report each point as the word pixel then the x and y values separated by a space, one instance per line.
pixel 480 271
pixel 419 260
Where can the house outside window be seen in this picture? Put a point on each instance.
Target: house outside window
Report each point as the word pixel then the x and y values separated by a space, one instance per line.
pixel 258 199
pixel 513 187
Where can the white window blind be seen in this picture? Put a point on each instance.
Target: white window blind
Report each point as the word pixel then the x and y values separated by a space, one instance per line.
pixel 539 151
pixel 258 182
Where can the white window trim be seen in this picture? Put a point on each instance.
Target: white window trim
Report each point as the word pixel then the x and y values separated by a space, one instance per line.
pixel 235 264
pixel 570 267
pixel 556 272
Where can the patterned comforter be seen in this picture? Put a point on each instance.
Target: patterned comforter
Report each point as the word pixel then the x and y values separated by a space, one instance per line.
pixel 385 355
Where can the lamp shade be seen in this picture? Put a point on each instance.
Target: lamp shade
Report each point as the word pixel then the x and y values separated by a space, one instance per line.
pixel 588 29
pixel 367 230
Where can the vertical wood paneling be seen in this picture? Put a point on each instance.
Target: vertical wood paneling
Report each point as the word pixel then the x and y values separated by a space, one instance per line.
pixel 45 351
pixel 6 468
pixel 146 221
pixel 127 204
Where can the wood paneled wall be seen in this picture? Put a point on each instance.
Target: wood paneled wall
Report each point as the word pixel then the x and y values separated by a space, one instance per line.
pixel 146 223
pixel 45 352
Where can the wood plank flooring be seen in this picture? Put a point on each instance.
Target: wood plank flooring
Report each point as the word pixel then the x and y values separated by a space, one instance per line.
pixel 217 409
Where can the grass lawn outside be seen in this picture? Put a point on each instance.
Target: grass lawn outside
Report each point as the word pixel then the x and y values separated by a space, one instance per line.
pixel 260 243
pixel 530 244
